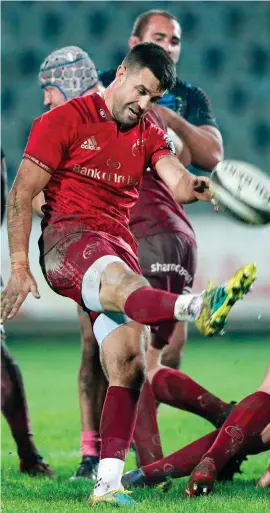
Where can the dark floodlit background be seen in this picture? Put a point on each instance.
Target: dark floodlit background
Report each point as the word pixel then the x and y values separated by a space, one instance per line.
pixel 225 50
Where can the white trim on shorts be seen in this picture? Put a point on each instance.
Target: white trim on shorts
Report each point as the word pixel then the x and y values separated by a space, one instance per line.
pixel 91 282
pixel 107 323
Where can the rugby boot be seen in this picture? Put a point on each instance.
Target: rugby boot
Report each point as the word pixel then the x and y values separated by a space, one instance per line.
pixel 137 478
pixel 202 479
pixel 218 301
pixel 35 466
pixel 87 469
pixel 115 498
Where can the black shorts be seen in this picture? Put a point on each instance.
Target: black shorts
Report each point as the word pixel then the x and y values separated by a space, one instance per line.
pixel 168 261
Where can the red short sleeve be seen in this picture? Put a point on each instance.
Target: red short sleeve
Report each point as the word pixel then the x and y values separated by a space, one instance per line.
pixel 50 136
pixel 158 145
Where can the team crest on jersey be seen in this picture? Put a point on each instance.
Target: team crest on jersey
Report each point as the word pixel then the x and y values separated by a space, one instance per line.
pixel 169 143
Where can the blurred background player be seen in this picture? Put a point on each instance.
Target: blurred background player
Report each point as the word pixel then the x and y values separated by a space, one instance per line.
pixel 13 399
pixel 66 73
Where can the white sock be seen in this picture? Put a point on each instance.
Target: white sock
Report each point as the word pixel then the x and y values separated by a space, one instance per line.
pixel 110 471
pixel 188 307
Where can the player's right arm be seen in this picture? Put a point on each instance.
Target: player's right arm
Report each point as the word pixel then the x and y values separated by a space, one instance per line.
pixel 29 182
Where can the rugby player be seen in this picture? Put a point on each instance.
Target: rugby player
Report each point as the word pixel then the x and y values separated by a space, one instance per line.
pixel 13 399
pixel 87 251
pixel 71 62
pixel 245 431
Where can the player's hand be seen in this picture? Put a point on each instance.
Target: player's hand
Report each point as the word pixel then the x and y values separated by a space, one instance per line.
pixel 204 192
pixel 19 285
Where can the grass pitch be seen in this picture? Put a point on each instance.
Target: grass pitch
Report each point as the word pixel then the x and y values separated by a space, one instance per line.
pixel 230 368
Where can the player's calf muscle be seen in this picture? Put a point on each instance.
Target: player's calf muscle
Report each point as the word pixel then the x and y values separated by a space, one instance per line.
pixel 117 283
pixel 123 355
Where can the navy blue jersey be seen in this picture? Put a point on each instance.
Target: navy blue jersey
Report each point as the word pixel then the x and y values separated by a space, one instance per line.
pixel 188 101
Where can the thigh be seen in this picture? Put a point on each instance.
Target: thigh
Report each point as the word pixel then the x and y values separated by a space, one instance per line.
pixel 65 265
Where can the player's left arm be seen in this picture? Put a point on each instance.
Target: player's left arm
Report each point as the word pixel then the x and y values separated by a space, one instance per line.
pixel 199 131
pixel 183 185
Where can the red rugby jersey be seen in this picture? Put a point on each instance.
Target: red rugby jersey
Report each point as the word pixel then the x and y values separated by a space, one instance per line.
pixel 156 211
pixel 95 167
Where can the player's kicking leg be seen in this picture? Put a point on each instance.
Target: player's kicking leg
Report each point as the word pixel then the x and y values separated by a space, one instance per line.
pixel 241 429
pixel 145 305
pixel 92 386
pixel 15 410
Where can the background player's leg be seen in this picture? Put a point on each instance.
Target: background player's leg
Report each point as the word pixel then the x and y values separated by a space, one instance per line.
pixel 177 389
pixel 172 353
pixel 15 410
pixel 92 390
pixel 146 434
pixel 123 360
pixel 177 464
pixel 244 424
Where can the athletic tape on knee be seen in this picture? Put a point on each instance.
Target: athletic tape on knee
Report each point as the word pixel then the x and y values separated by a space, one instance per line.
pixel 106 323
pixel 91 282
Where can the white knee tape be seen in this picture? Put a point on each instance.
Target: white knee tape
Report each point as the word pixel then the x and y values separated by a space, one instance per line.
pixel 106 323
pixel 91 282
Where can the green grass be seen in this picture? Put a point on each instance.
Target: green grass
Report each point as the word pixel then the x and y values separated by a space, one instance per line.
pixel 231 368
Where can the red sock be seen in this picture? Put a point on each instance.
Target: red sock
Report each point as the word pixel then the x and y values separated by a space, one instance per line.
pixel 14 408
pixel 176 389
pixel 90 443
pixel 150 306
pixel 180 463
pixel 246 420
pixel 118 421
pixel 146 434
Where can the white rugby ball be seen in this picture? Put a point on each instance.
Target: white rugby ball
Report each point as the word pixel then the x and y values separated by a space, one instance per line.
pixel 242 191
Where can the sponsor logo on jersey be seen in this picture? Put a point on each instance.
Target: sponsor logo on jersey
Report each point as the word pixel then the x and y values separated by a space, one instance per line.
pixel 90 144
pixel 106 176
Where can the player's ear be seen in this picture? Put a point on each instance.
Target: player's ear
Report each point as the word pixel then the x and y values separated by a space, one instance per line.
pixel 121 73
pixel 133 41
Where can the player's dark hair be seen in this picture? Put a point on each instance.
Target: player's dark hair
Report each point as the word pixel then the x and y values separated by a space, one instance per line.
pixel 153 57
pixel 142 21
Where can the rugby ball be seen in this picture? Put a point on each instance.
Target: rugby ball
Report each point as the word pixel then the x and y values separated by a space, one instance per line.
pixel 242 191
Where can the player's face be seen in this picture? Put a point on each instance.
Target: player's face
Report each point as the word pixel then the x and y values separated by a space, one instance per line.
pixel 53 97
pixel 162 32
pixel 135 95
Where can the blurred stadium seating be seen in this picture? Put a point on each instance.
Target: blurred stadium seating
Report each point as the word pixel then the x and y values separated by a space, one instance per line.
pixel 225 51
